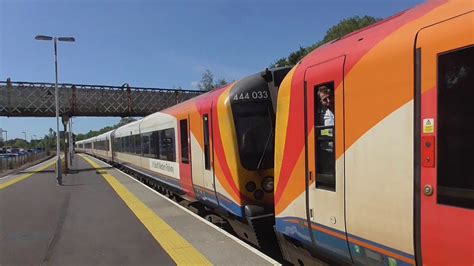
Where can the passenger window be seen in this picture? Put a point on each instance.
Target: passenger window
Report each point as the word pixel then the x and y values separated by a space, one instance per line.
pixel 138 144
pixel 154 145
pixel 324 116
pixel 126 145
pixel 455 128
pixel 166 145
pixel 207 151
pixel 183 125
pixel 146 144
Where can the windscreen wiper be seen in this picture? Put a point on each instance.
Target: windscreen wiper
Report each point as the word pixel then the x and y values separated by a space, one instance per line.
pixel 267 142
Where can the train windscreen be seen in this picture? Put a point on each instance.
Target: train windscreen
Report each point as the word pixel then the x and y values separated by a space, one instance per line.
pixel 254 121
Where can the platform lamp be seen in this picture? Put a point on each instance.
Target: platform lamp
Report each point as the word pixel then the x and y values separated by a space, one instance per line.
pixel 58 146
pixel 26 141
pixel 35 140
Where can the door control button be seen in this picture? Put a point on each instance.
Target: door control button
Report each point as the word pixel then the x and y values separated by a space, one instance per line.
pixel 428 190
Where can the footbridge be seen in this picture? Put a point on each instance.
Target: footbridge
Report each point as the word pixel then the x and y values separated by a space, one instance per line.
pixel 36 99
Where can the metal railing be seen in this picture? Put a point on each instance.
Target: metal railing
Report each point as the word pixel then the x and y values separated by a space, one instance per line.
pixel 16 161
pixel 37 99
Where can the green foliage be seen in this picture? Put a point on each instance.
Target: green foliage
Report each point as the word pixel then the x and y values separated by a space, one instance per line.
pixel 339 30
pixel 220 83
pixel 347 26
pixel 207 82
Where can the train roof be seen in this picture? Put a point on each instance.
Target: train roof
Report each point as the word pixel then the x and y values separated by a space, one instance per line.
pixel 130 128
pixel 149 122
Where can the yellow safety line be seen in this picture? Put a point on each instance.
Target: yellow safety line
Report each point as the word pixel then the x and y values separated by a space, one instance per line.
pixel 23 177
pixel 180 250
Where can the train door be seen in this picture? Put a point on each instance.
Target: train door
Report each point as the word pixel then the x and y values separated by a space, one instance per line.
pixel 112 147
pixel 324 93
pixel 185 156
pixel 444 137
pixel 208 154
pixel 106 147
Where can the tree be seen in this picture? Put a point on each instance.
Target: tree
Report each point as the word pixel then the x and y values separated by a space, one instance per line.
pixel 339 30
pixel 207 81
pixel 220 83
pixel 124 121
pixel 347 26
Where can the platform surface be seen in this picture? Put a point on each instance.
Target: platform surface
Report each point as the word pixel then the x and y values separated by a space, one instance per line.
pixel 103 216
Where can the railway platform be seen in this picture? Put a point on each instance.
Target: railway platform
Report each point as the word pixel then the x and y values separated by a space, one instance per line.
pixel 102 216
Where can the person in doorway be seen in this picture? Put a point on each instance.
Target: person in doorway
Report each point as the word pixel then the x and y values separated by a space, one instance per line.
pixel 326 97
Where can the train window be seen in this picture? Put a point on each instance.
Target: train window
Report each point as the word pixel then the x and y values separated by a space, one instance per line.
pixel 129 144
pixel 183 126
pixel 138 144
pixel 146 144
pixel 154 145
pixel 167 145
pixel 115 143
pixel 125 144
pixel 118 144
pixel 255 130
pixel 207 149
pixel 324 117
pixel 455 129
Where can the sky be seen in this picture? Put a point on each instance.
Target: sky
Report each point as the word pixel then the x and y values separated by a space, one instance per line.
pixel 159 43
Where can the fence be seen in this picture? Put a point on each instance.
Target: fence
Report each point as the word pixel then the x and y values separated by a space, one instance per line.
pixel 14 162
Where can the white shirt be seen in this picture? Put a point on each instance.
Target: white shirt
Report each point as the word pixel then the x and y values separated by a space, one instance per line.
pixel 328 118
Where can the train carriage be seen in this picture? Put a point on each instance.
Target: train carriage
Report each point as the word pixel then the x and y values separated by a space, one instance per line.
pixel 101 146
pixel 215 149
pixel 389 182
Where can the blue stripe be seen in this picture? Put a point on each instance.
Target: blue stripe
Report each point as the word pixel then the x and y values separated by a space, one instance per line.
pixel 401 253
pixel 299 231
pixel 225 203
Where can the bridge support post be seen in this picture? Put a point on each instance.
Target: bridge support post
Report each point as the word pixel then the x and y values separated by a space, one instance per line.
pixel 65 143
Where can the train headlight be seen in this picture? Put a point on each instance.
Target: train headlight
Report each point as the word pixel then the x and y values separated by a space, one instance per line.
pixel 267 184
pixel 250 186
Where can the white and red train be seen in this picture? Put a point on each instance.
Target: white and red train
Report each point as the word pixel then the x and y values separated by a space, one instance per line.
pixel 215 149
pixel 388 183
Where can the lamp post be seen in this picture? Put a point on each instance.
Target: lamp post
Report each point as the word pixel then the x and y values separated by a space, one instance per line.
pixel 26 141
pixel 71 146
pixel 34 139
pixel 58 145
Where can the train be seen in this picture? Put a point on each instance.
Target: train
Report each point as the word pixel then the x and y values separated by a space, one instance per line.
pixel 360 154
pixel 214 151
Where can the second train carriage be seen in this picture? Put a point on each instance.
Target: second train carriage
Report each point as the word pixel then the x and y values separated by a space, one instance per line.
pixel 216 149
